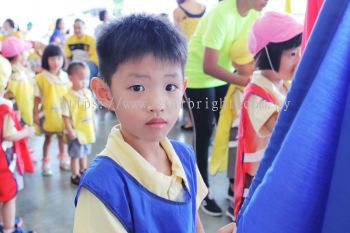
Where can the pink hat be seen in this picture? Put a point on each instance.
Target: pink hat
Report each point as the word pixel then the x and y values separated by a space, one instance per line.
pixel 272 27
pixel 13 46
pixel 0 46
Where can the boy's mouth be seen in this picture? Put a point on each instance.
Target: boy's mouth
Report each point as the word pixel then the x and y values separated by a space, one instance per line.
pixel 157 122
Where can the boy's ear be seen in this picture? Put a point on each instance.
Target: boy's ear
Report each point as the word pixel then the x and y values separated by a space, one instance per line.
pixel 185 85
pixel 102 92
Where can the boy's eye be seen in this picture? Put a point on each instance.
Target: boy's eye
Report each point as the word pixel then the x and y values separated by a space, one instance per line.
pixel 171 87
pixel 137 88
pixel 293 54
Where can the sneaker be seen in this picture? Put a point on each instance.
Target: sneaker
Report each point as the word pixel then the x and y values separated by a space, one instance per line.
pixel 46 169
pixel 22 230
pixel 18 223
pixel 230 213
pixel 210 207
pixel 75 180
pixel 64 165
pixel 229 196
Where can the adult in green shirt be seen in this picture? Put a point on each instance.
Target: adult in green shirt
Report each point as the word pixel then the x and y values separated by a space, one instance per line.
pixel 209 69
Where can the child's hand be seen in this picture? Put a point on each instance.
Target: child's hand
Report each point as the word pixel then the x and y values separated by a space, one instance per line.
pixel 29 131
pixel 71 134
pixel 242 80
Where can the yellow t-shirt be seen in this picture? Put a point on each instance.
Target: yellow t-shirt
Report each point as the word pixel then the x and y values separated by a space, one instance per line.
pixel 169 187
pixel 51 89
pixel 189 22
pixel 82 49
pixel 217 29
pixel 80 108
pixel 21 85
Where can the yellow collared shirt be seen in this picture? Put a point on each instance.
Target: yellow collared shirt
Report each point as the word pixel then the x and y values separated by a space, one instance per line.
pixel 80 108
pixel 51 89
pixel 92 216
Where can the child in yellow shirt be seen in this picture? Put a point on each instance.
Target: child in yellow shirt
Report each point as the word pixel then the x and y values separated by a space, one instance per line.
pixel 51 85
pixel 141 181
pixel 21 84
pixel 78 109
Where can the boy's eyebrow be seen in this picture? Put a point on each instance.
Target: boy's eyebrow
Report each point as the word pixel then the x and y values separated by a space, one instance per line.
pixel 172 75
pixel 136 75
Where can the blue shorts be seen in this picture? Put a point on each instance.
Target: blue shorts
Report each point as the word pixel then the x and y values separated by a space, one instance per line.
pixel 77 150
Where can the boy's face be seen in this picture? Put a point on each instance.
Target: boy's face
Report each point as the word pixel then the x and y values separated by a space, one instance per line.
pixel 80 78
pixel 146 97
pixel 78 29
pixel 288 64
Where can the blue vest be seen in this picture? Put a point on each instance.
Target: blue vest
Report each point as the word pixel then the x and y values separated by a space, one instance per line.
pixel 138 209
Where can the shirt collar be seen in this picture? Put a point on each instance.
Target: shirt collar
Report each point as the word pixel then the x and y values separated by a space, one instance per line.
pixel 141 169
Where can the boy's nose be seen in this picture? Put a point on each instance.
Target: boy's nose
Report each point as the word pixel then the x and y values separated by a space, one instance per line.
pixel 155 106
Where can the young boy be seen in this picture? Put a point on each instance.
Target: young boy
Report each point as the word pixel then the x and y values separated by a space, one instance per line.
pixel 14 157
pixel 78 109
pixel 141 181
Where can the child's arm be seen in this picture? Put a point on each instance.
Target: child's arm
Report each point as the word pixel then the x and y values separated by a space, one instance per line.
pixel 199 225
pixel 68 125
pixel 229 228
pixel 211 67
pixel 23 133
pixel 37 101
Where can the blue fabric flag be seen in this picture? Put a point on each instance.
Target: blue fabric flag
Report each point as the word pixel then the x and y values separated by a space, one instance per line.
pixel 300 185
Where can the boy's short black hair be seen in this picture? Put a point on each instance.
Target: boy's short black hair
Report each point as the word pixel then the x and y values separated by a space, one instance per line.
pixel 102 15
pixel 11 23
pixel 51 50
pixel 134 36
pixel 74 65
pixel 79 21
pixel 275 51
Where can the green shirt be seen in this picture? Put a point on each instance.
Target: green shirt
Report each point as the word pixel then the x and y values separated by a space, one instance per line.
pixel 218 29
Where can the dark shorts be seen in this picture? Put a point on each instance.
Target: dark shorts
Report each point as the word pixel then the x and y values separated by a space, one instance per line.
pixel 77 150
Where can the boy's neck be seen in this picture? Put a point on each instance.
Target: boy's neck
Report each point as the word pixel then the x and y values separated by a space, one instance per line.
pixel 152 151
pixel 243 7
